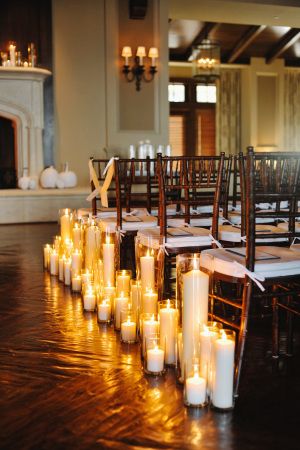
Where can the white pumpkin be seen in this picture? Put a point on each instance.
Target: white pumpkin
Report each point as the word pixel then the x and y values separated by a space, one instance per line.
pixel 23 182
pixel 68 177
pixel 48 177
pixel 33 183
pixel 60 183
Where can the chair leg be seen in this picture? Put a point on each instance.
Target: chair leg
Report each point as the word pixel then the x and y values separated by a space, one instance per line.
pixel 242 334
pixel 289 336
pixel 275 328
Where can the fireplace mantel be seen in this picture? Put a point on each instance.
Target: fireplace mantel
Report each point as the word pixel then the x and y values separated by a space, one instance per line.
pixel 21 100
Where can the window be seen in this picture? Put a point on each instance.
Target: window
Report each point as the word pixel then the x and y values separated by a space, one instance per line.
pixel 206 93
pixel 176 92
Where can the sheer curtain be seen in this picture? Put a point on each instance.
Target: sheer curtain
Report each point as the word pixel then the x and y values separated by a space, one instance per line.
pixel 228 117
pixel 292 110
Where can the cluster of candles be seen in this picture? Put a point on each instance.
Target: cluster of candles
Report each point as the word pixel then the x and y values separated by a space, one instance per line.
pixel 13 57
pixel 85 258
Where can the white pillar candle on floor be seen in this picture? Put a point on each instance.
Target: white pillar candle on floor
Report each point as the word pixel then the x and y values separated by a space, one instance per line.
pixel 92 243
pixel 109 291
pixel 123 282
pixel 223 372
pixel 168 331
pixel 76 234
pixel 76 263
pixel 89 299
pixel 128 331
pixel 12 54
pixel 67 272
pixel 61 263
pixel 149 302
pixel 65 225
pixel 135 297
pixel 207 337
pixel 147 272
pixel 120 303
pixel 195 310
pixel 195 387
pixel 150 326
pixel 108 262
pixel 155 360
pixel 104 310
pixel 47 249
pixel 53 262
pixel 86 277
pixel 76 283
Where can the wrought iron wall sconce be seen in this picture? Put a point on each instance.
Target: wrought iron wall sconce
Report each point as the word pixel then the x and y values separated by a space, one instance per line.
pixel 137 72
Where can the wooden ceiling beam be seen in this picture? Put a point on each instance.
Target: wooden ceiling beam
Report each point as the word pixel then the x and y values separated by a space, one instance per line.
pixel 244 42
pixel 207 28
pixel 283 44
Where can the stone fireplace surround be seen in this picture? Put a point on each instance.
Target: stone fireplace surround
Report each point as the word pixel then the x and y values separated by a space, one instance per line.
pixel 21 100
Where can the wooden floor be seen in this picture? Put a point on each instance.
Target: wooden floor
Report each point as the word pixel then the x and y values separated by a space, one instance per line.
pixel 68 383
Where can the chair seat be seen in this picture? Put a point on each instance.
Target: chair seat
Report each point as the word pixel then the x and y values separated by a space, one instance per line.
pixel 230 233
pixel 235 218
pixel 103 213
pixel 284 226
pixel 129 223
pixel 192 237
pixel 272 262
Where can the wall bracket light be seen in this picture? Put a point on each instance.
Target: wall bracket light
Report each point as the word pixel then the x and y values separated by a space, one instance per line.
pixel 138 72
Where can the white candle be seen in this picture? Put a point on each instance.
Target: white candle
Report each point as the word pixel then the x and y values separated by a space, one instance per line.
pixel 155 360
pixel 76 283
pixel 195 310
pixel 123 282
pixel 54 262
pixel 76 235
pixel 61 263
pixel 147 272
pixel 223 371
pixel 12 54
pixel 206 340
pixel 86 277
pixel 65 225
pixel 150 326
pixel 46 256
pixel 104 310
pixel 108 262
pixel 76 261
pixel 149 303
pixel 109 291
pixel 120 303
pixel 168 332
pixel 128 331
pixel 195 390
pixel 92 242
pixel 89 299
pixel 67 272
pixel 135 297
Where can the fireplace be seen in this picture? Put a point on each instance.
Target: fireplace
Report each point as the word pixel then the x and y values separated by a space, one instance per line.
pixel 22 121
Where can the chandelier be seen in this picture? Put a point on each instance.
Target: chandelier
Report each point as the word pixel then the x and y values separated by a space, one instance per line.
pixel 206 61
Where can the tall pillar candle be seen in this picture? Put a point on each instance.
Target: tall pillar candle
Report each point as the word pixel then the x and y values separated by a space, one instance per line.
pixel 76 235
pixel 53 262
pixel 121 302
pixel 108 262
pixel 67 272
pixel 76 264
pixel 147 272
pixel 65 224
pixel 61 263
pixel 46 250
pixel 168 316
pixel 12 54
pixel 135 296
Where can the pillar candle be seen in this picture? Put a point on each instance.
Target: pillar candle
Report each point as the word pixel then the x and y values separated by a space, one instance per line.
pixel 149 303
pixel 120 303
pixel 53 262
pixel 76 263
pixel 89 299
pixel 128 331
pixel 67 272
pixel 168 332
pixel 86 277
pixel 155 360
pixel 147 272
pixel 223 371
pixel 207 337
pixel 195 310
pixel 12 54
pixel 150 326
pixel 65 225
pixel 104 310
pixel 108 262
pixel 76 234
pixel 123 282
pixel 76 283
pixel 195 390
pixel 46 255
pixel 109 291
pixel 61 263
pixel 92 243
pixel 135 297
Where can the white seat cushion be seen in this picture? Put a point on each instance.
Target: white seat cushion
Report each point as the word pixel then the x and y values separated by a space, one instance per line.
pixel 230 233
pixel 177 237
pixel 284 226
pixel 102 212
pixel 272 262
pixel 129 223
pixel 235 218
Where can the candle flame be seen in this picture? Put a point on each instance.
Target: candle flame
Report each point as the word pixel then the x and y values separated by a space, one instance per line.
pixel 223 335
pixel 195 262
pixel 107 239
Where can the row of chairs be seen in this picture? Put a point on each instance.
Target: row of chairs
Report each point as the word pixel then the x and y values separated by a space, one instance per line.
pixel 194 204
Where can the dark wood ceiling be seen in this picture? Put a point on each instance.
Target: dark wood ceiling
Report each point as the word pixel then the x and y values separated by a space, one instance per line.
pixel 238 42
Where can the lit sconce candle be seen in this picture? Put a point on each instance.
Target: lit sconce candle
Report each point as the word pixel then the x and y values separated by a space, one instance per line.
pixel 223 370
pixel 76 235
pixel 108 262
pixel 65 224
pixel 89 298
pixel 168 318
pixel 67 271
pixel 128 330
pixel 126 54
pixel 195 309
pixel 76 261
pixel 53 262
pixel 46 249
pixel 76 283
pixel 121 302
pixel 104 310
pixel 149 303
pixel 141 53
pixel 155 360
pixel 153 54
pixel 12 54
pixel 147 271
pixel 61 263
pixel 123 281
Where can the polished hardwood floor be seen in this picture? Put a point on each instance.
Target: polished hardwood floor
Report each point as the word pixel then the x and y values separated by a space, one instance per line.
pixel 66 382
